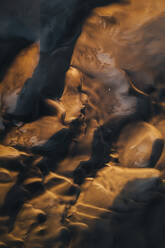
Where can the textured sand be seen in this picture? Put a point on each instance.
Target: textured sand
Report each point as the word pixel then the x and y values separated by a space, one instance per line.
pixel 87 168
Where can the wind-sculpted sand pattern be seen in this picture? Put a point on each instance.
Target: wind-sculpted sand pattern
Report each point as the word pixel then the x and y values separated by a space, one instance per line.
pixel 82 157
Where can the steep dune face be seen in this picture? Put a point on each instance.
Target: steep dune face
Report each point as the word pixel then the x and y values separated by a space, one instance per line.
pixel 128 38
pixel 82 158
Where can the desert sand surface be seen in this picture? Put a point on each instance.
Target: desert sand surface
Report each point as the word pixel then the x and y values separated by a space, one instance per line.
pixel 82 125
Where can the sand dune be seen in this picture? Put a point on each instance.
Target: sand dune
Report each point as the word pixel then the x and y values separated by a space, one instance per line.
pixel 82 157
